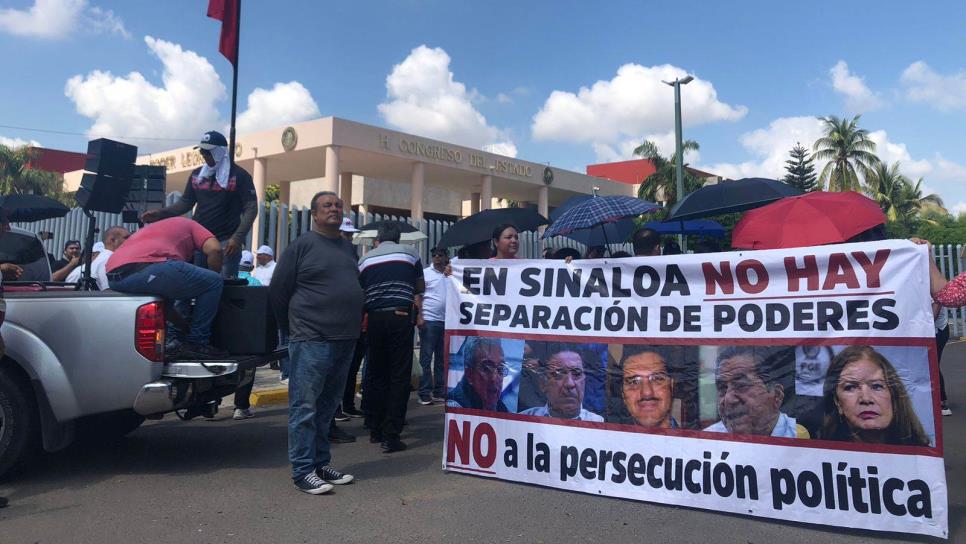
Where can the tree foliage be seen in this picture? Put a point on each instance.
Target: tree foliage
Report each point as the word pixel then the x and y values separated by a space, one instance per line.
pixel 662 184
pixel 849 152
pixel 17 177
pixel 801 170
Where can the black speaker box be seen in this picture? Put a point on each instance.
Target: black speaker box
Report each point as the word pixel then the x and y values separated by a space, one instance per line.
pixel 245 324
pixel 102 193
pixel 111 158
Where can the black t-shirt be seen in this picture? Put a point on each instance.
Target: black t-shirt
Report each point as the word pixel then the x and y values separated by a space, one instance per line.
pixel 219 210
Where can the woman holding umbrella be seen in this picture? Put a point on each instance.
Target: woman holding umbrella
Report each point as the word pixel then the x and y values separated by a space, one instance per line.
pixel 506 241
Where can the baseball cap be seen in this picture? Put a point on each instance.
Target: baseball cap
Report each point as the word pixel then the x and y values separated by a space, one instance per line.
pixel 347 225
pixel 211 140
pixel 247 259
pixel 98 247
pixel 265 250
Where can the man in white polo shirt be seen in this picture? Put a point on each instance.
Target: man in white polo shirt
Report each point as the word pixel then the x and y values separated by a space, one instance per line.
pixel 266 265
pixel 432 323
pixel 113 238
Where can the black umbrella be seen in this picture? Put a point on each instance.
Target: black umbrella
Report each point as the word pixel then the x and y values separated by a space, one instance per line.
pixel 479 226
pixel 403 227
pixel 729 196
pixel 27 208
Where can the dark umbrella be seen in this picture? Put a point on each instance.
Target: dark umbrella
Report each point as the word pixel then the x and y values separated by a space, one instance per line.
pixel 729 196
pixel 599 235
pixel 702 227
pixel 596 211
pixel 27 208
pixel 479 226
pixel 808 220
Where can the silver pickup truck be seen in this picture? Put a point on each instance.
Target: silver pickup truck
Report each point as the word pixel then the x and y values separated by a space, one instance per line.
pixel 89 362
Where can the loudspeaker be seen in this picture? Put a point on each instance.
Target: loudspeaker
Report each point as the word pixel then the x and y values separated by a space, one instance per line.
pixel 111 158
pixel 245 323
pixel 100 193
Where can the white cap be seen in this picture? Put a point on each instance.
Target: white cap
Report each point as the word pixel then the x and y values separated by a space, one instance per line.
pixel 265 250
pixel 98 247
pixel 247 259
pixel 347 225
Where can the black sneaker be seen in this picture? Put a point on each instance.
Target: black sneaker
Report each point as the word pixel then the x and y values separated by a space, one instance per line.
pixel 312 484
pixel 425 401
pixel 340 416
pixel 201 351
pixel 333 476
pixel 338 436
pixel 352 412
pixel 393 445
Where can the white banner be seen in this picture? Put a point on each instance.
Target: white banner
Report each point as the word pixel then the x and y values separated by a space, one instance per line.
pixel 792 384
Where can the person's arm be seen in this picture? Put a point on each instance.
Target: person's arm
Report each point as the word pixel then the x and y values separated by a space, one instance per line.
pixel 282 287
pixel 181 207
pixel 212 250
pixel 249 200
pixel 62 274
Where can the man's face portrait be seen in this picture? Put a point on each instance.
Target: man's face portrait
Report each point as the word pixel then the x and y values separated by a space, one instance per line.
pixel 485 374
pixel 328 211
pixel 263 258
pixel 563 384
pixel 72 251
pixel 648 390
pixel 745 403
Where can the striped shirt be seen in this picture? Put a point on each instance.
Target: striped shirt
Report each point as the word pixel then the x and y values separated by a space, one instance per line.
pixel 389 275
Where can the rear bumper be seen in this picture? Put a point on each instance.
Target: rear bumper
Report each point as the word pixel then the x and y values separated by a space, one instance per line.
pixel 156 398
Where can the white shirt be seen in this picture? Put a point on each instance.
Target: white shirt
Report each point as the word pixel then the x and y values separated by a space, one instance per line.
pixel 98 271
pixel 434 298
pixel 784 427
pixel 584 415
pixel 264 273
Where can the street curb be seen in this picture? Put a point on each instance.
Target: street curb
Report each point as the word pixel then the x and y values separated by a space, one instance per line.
pixel 265 397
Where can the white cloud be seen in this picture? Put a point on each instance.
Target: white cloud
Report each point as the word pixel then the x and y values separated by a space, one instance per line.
pixel 131 106
pixel 943 92
pixel 890 152
pixel 286 103
pixel 508 149
pixel 504 98
pixel 769 147
pixel 424 98
pixel 624 150
pixel 55 19
pixel 858 97
pixel 610 114
pixel 17 142
pixel 958 208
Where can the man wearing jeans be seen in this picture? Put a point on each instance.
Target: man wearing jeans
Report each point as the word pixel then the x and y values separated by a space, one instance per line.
pixel 156 261
pixel 317 300
pixel 432 324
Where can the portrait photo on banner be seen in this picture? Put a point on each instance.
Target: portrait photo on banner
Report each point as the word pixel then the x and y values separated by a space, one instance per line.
pixel 484 373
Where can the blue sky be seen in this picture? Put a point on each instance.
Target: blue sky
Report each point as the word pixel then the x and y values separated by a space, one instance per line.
pixel 570 83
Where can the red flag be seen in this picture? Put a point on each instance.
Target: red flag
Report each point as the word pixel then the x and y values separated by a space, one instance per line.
pixel 226 11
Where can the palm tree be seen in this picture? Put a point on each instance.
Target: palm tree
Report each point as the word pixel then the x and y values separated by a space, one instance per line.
pixel 17 177
pixel 849 152
pixel 901 200
pixel 662 184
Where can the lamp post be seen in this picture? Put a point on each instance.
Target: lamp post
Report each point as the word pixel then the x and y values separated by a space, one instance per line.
pixel 679 142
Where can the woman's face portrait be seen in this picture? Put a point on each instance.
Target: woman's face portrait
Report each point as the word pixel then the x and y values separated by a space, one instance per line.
pixel 863 396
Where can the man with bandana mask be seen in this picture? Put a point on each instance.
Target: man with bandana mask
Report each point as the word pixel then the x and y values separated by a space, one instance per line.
pixel 223 197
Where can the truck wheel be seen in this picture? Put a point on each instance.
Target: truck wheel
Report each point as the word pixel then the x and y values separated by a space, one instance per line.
pixel 110 425
pixel 19 423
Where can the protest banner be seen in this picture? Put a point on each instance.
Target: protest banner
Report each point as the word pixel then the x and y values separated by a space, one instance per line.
pixel 789 384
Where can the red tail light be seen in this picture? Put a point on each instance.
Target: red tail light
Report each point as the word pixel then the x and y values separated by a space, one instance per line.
pixel 149 331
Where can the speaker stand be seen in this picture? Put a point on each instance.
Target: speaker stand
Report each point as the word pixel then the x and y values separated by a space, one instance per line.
pixel 87 282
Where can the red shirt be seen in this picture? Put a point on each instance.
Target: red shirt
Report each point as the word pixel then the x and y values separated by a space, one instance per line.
pixel 174 238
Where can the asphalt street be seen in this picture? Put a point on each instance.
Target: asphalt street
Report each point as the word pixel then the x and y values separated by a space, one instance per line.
pixel 228 481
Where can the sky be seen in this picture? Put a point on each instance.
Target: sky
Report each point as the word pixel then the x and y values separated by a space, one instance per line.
pixel 566 83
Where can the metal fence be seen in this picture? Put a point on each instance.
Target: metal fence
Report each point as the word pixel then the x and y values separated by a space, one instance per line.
pixel 279 224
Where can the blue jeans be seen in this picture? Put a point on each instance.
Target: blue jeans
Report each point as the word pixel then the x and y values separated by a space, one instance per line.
pixel 179 281
pixel 284 363
pixel 317 374
pixel 432 382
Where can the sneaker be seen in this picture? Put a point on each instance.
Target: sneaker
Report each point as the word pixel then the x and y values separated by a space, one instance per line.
pixel 426 401
pixel 439 400
pixel 393 445
pixel 352 412
pixel 333 476
pixel 338 436
pixel 312 484
pixel 945 410
pixel 339 416
pixel 172 349
pixel 201 351
pixel 243 413
pixel 282 380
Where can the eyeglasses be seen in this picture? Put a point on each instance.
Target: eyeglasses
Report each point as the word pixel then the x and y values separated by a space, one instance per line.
pixel 493 368
pixel 657 379
pixel 560 374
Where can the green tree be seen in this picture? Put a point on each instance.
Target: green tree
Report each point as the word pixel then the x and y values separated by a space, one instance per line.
pixel 272 193
pixel 662 184
pixel 902 201
pixel 17 177
pixel 849 153
pixel 801 170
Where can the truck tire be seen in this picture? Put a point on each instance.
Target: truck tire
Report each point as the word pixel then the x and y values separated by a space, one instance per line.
pixel 111 425
pixel 19 421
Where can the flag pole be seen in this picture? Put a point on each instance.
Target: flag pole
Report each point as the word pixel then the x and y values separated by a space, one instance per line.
pixel 234 85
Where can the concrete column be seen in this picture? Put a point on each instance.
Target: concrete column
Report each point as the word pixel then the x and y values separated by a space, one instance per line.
pixel 416 191
pixel 285 192
pixel 474 203
pixel 259 177
pixel 331 180
pixel 486 193
pixel 345 189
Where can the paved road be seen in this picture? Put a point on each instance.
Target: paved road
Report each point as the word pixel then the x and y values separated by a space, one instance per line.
pixel 227 481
